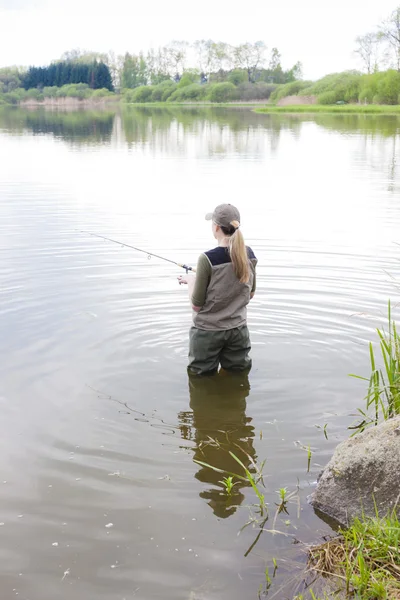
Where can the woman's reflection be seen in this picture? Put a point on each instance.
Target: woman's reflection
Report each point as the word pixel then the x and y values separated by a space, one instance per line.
pixel 217 423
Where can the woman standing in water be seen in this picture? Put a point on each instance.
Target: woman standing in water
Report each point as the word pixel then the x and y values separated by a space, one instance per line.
pixel 224 284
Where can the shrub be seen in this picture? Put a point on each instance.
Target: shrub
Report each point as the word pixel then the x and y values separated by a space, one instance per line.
pixel 101 93
pixel 188 78
pixel 328 98
pixel 50 92
pixel 142 93
pixel 15 96
pixel 127 96
pixel 192 92
pixel 33 93
pixel 257 91
pixel 389 87
pixel 222 92
pixel 238 76
pixel 158 90
pixel 289 89
pixel 167 93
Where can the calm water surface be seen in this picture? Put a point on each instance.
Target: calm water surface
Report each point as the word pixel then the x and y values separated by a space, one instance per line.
pixel 100 497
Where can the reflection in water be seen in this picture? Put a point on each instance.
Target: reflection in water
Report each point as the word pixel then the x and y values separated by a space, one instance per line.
pixel 218 131
pixel 218 424
pixel 78 126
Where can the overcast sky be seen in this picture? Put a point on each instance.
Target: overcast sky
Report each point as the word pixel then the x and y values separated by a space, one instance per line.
pixel 318 33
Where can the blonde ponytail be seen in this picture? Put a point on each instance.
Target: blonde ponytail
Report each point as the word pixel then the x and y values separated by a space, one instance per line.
pixel 238 253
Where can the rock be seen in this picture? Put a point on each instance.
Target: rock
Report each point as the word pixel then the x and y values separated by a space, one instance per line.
pixel 364 472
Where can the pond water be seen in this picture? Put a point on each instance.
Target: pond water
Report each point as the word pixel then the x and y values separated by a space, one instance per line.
pixel 100 496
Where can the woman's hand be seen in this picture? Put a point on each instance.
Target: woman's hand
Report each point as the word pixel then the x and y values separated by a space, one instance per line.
pixel 182 280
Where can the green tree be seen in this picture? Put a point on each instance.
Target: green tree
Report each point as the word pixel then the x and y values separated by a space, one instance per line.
pixel 237 76
pixel 134 71
pixel 11 78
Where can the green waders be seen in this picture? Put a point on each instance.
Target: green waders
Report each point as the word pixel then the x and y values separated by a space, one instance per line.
pixel 229 348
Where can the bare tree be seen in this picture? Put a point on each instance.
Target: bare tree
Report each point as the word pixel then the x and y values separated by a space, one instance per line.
pixel 204 55
pixel 390 31
pixel 176 52
pixel 250 57
pixel 115 64
pixel 368 50
pixel 275 60
pixel 221 57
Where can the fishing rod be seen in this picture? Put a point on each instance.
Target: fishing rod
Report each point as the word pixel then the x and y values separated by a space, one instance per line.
pixel 149 254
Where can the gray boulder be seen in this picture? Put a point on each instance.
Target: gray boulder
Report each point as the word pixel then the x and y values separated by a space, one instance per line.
pixel 364 472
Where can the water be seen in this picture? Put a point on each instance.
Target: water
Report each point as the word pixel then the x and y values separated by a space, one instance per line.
pixel 100 424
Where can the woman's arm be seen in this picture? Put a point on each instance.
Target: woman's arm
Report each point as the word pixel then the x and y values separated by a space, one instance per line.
pixel 198 283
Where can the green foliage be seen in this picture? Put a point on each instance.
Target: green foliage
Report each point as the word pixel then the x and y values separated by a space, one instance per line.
pixel 142 94
pixel 50 91
pixel 383 395
pixel 192 92
pixel 350 109
pixel 101 93
pixel 161 90
pixel 350 86
pixel 388 88
pixel 255 91
pixel 228 484
pixel 168 91
pixel 96 75
pixel 289 89
pixel 238 76
pixel 188 78
pixel 10 79
pixel 365 557
pixel 134 71
pixel 328 98
pixel 222 92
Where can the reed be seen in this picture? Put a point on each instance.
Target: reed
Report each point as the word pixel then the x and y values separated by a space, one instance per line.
pixel 383 395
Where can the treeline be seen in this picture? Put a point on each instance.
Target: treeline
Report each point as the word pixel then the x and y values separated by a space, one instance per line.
pixel 79 91
pixel 180 72
pixel 96 75
pixel 350 86
pixel 190 89
pixel 212 61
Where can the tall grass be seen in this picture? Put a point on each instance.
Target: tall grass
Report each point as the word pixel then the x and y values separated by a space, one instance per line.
pixel 341 109
pixel 364 559
pixel 383 396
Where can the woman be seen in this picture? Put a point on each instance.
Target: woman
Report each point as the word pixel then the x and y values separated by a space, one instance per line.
pixel 224 283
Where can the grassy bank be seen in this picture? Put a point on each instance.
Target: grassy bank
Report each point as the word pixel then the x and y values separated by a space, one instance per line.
pixel 364 560
pixel 338 109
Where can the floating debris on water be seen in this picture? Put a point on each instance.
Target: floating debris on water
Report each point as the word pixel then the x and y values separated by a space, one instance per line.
pixel 109 525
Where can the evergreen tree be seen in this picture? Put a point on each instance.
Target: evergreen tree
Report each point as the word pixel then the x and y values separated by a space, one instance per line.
pixel 97 75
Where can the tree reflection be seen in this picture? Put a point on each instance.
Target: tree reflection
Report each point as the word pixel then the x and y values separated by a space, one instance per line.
pixel 217 423
pixel 81 127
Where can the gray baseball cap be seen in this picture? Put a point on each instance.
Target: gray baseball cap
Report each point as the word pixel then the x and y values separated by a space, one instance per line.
pixel 224 214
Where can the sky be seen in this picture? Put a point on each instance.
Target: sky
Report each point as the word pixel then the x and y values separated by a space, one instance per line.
pixel 319 34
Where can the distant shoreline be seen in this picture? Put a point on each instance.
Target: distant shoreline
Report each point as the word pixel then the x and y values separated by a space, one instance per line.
pixel 66 102
pixel 259 107
pixel 354 109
